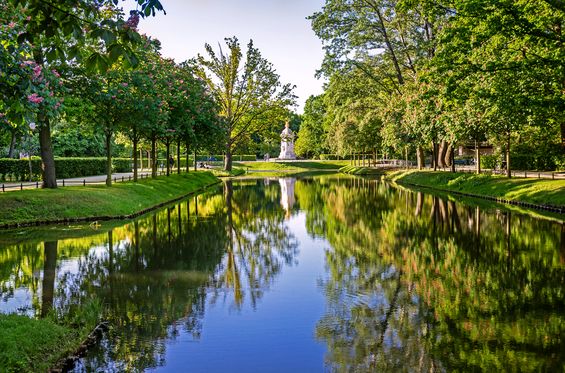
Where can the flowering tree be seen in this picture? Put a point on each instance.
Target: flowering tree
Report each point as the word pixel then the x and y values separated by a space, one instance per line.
pixel 53 33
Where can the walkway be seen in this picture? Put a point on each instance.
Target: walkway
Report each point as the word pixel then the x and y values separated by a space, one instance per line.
pixel 90 180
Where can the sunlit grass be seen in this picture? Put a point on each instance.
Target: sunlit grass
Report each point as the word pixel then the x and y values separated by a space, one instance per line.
pixel 99 200
pixel 286 165
pixel 539 191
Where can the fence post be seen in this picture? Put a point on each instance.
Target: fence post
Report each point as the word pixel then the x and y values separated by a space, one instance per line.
pixel 3 190
pixel 526 174
pixel 553 175
pixel 122 179
pixel 129 178
pixel 83 182
pixel 36 184
pixel 63 182
pixel 539 176
pixel 21 186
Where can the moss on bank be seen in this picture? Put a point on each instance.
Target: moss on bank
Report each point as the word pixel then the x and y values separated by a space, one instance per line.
pixel 21 207
pixel 36 345
pixel 535 191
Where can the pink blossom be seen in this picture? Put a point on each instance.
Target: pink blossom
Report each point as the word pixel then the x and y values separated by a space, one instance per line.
pixel 37 71
pixel 35 98
pixel 56 73
pixel 113 97
pixel 28 18
pixel 124 84
pixel 11 24
pixel 57 105
pixel 50 93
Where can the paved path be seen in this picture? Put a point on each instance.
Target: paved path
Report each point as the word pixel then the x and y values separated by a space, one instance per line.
pixel 98 179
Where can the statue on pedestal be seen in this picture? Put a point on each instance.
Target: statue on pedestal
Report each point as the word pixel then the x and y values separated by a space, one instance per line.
pixel 287 143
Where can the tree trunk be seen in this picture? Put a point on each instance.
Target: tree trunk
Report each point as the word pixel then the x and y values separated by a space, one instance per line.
pixel 108 158
pixel 195 163
pixel 448 155
pixel 12 145
pixel 178 157
pixel 228 160
pixel 443 148
pixel 508 168
pixel 434 154
pixel 420 157
pixel 187 158
pixel 477 158
pixel 140 160
pixel 168 156
pixel 563 136
pixel 47 159
pixel 452 161
pixel 135 158
pixel 153 156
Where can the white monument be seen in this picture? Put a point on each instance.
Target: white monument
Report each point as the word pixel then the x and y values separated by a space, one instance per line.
pixel 287 143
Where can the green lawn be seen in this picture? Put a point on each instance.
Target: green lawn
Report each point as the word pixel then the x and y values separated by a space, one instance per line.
pixel 96 201
pixel 36 345
pixel 292 166
pixel 538 191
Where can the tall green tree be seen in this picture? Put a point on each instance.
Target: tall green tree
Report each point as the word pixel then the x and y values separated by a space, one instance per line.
pixel 248 91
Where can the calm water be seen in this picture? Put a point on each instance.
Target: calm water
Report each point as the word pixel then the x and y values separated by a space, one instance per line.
pixel 307 275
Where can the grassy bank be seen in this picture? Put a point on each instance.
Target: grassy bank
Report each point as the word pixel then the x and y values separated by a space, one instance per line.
pixel 292 166
pixel 36 345
pixel 536 191
pixel 97 201
pixel 357 170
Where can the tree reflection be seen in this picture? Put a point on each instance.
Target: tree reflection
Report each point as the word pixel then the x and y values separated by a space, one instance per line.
pixel 432 285
pixel 259 244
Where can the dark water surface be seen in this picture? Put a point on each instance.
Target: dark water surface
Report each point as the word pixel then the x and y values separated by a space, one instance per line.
pixel 321 274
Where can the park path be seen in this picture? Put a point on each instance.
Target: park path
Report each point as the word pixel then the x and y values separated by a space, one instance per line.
pixel 90 180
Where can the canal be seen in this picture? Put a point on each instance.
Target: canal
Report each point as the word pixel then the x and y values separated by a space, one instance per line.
pixel 328 273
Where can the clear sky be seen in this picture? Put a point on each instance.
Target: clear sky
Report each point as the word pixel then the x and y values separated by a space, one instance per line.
pixel 279 29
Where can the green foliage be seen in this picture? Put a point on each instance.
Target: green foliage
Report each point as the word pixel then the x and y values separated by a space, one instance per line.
pixel 247 90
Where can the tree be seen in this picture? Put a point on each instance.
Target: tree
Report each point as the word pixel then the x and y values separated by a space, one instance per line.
pixel 248 92
pixel 312 136
pixel 61 31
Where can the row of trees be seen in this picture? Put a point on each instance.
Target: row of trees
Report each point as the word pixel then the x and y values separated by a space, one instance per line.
pixel 406 75
pixel 80 62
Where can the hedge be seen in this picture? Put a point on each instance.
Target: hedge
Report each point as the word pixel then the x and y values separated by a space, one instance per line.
pixel 18 169
pixel 525 162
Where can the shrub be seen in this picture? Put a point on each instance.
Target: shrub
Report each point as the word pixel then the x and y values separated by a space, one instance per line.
pixel 490 161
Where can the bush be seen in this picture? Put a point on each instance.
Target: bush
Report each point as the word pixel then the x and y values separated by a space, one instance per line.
pixel 18 169
pixel 490 161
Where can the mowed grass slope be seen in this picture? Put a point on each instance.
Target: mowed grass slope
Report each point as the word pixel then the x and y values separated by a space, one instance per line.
pixel 292 166
pixel 538 191
pixel 94 201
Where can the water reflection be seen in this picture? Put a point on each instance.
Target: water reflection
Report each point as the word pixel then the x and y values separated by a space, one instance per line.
pixel 412 282
pixel 432 285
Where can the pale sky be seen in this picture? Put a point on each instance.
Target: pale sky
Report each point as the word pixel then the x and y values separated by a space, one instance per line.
pixel 279 29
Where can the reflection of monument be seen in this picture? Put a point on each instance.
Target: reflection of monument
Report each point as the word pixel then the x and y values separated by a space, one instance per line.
pixel 287 143
pixel 287 193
